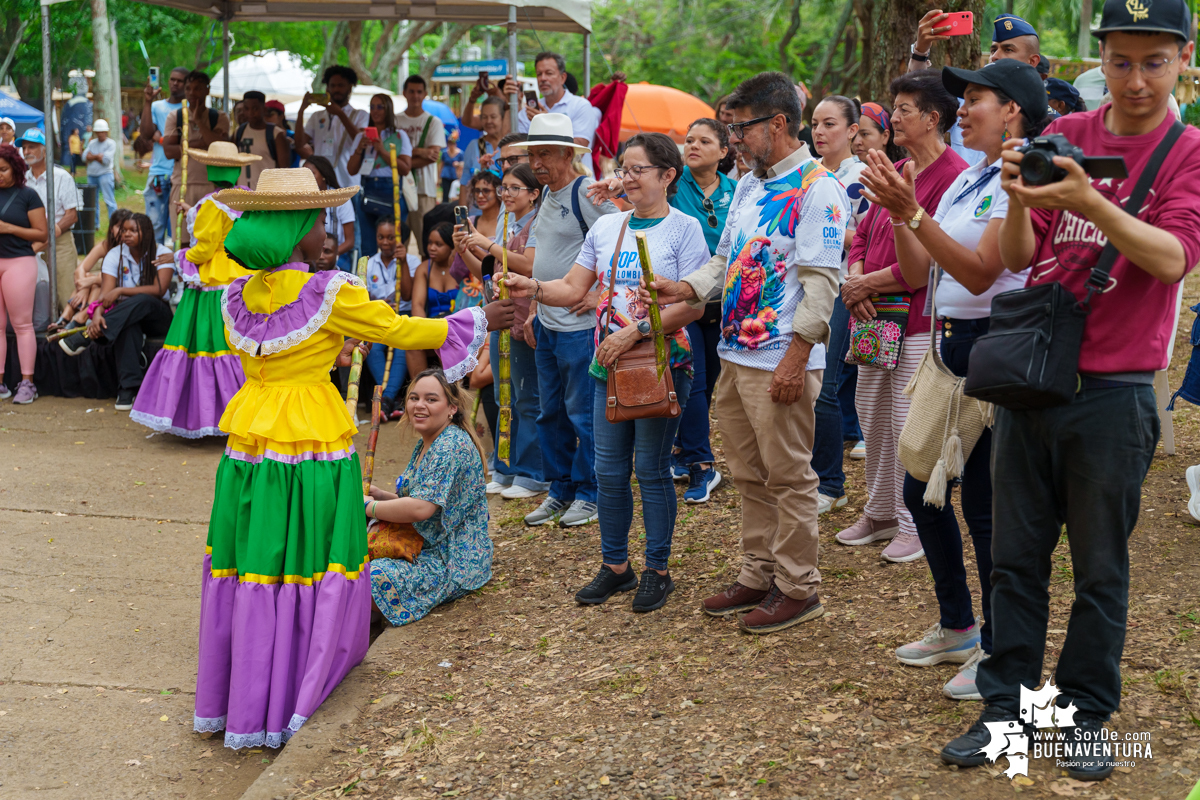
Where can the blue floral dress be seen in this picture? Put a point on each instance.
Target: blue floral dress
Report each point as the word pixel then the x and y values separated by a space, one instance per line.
pixel 457 555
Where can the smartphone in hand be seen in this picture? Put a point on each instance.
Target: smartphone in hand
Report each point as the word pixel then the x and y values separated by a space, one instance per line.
pixel 531 98
pixel 154 79
pixel 460 216
pixel 961 23
pixel 371 133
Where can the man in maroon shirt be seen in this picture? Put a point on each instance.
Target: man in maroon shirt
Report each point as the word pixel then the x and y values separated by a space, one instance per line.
pixel 1083 463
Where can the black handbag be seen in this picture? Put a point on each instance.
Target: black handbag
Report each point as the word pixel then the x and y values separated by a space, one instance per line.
pixel 1029 358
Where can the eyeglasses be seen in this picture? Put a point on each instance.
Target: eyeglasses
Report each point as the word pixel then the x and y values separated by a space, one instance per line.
pixel 632 172
pixel 707 205
pixel 738 129
pixel 514 190
pixel 512 161
pixel 482 191
pixel 1151 68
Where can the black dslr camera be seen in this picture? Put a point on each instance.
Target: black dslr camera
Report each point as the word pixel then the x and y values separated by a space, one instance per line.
pixel 1038 168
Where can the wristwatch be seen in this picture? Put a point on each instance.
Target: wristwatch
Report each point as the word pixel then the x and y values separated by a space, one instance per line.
pixel 643 327
pixel 914 55
pixel 915 222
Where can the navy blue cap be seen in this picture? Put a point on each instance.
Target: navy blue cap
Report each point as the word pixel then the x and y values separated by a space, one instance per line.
pixel 1058 89
pixel 1009 26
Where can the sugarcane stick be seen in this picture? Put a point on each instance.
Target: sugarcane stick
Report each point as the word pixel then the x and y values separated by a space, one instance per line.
pixel 183 159
pixel 369 466
pixel 475 409
pixel 356 360
pixel 387 362
pixel 660 342
pixel 504 379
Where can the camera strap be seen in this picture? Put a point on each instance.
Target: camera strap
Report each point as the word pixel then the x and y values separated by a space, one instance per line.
pixel 1098 280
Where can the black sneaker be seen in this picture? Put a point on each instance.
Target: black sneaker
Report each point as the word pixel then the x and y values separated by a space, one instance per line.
pixel 652 591
pixel 386 405
pixel 74 344
pixel 966 750
pixel 125 399
pixel 1094 764
pixel 605 585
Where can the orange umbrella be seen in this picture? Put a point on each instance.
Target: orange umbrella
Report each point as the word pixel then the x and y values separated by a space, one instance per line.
pixel 660 109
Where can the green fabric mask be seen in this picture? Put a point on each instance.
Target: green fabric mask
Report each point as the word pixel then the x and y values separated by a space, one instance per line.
pixel 224 174
pixel 266 239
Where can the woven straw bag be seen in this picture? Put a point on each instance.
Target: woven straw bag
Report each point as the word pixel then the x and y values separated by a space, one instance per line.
pixel 943 425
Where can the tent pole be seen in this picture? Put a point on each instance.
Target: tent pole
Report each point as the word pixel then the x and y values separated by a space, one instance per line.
pixel 587 64
pixel 225 55
pixel 47 87
pixel 512 65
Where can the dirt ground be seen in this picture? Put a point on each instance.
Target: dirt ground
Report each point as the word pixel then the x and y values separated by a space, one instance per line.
pixel 516 691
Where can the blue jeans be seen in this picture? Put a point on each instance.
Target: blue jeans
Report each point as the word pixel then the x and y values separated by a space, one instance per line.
pixel 106 184
pixel 693 437
pixel 847 384
pixel 827 442
pixel 524 466
pixel 377 363
pixel 644 445
pixel 937 527
pixel 376 189
pixel 565 422
pixel 158 205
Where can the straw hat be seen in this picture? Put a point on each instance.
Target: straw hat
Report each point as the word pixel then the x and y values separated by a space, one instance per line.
pixel 285 190
pixel 552 129
pixel 223 154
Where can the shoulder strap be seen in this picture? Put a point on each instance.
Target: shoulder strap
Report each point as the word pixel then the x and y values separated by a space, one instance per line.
pixel 271 140
pixel 575 209
pixel 16 192
pixel 425 130
pixel 1098 280
pixel 612 273
pixel 237 136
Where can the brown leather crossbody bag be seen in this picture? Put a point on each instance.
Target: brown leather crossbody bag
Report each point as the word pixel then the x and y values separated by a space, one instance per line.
pixel 634 389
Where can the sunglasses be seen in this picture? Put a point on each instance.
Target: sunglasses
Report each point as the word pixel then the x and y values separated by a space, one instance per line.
pixel 707 205
pixel 511 161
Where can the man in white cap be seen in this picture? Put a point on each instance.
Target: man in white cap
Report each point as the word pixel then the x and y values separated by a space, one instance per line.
pixel 564 335
pixel 8 130
pixel 66 201
pixel 99 155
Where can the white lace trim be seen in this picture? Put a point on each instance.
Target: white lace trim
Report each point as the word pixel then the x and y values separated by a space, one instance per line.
pixel 293 337
pixel 236 741
pixel 208 724
pixel 163 425
pixel 467 366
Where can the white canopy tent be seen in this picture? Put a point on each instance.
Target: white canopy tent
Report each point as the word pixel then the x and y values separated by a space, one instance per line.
pixel 278 74
pixel 565 16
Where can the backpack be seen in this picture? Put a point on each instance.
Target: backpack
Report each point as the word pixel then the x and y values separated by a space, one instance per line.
pixel 213 116
pixel 237 139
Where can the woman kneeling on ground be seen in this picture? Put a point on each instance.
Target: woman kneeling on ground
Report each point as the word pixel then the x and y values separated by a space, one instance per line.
pixel 441 494
pixel 650 174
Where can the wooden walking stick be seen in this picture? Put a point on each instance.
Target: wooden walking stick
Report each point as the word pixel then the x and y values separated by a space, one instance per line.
pixel 387 362
pixel 504 422
pixel 183 159
pixel 660 342
pixel 356 360
pixel 369 466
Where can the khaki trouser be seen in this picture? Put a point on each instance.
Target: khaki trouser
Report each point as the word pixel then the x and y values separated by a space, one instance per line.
pixel 768 447
pixel 64 268
pixel 416 220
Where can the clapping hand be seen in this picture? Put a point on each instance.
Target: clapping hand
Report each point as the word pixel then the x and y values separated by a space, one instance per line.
pixel 885 187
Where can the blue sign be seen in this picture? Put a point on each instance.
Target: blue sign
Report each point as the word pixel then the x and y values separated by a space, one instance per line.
pixel 496 68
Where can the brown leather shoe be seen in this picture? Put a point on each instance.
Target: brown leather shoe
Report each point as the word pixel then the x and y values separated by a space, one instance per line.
pixel 778 611
pixel 734 599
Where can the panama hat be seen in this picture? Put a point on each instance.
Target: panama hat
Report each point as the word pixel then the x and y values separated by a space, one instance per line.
pixel 285 190
pixel 222 154
pixel 552 129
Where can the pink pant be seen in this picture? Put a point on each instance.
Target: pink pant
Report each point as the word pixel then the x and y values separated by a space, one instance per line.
pixel 18 281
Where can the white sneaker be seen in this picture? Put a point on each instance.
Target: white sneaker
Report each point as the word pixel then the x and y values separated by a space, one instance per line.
pixel 940 644
pixel 962 685
pixel 826 503
pixel 515 492
pixel 1193 482
pixel 496 488
pixel 859 451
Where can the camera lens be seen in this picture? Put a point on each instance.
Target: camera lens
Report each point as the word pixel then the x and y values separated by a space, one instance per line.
pixel 1037 169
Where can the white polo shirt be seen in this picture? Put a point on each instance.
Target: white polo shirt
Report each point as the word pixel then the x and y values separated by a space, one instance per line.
pixel 585 118
pixel 331 140
pixel 964 212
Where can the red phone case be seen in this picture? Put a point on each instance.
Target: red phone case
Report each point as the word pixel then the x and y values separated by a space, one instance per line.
pixel 371 133
pixel 961 23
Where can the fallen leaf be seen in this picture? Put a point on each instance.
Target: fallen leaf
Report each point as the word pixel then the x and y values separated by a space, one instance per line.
pixel 604 780
pixel 830 717
pixel 206 754
pixel 63 691
pixel 1021 780
pixel 163 718
pixel 147 700
pixel 133 762
pixel 139 483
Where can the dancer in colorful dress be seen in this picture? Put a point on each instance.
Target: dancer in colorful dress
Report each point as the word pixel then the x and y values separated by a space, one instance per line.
pixel 286 594
pixel 196 373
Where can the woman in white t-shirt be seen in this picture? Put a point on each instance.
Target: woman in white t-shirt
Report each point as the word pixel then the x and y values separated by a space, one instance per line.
pixel 339 219
pixel 834 126
pixel 134 281
pixel 962 239
pixel 374 156
pixel 651 169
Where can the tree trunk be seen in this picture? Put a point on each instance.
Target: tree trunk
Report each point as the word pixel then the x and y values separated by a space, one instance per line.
pixel 897 30
pixel 119 161
pixel 1085 28
pixel 450 37
pixel 785 64
pixel 385 36
pixel 864 10
pixel 354 51
pixel 409 35
pixel 818 85
pixel 849 66
pixel 12 50
pixel 333 42
pixel 106 94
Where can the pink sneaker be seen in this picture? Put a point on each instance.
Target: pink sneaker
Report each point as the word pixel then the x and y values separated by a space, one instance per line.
pixel 26 393
pixel 868 530
pixel 905 547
